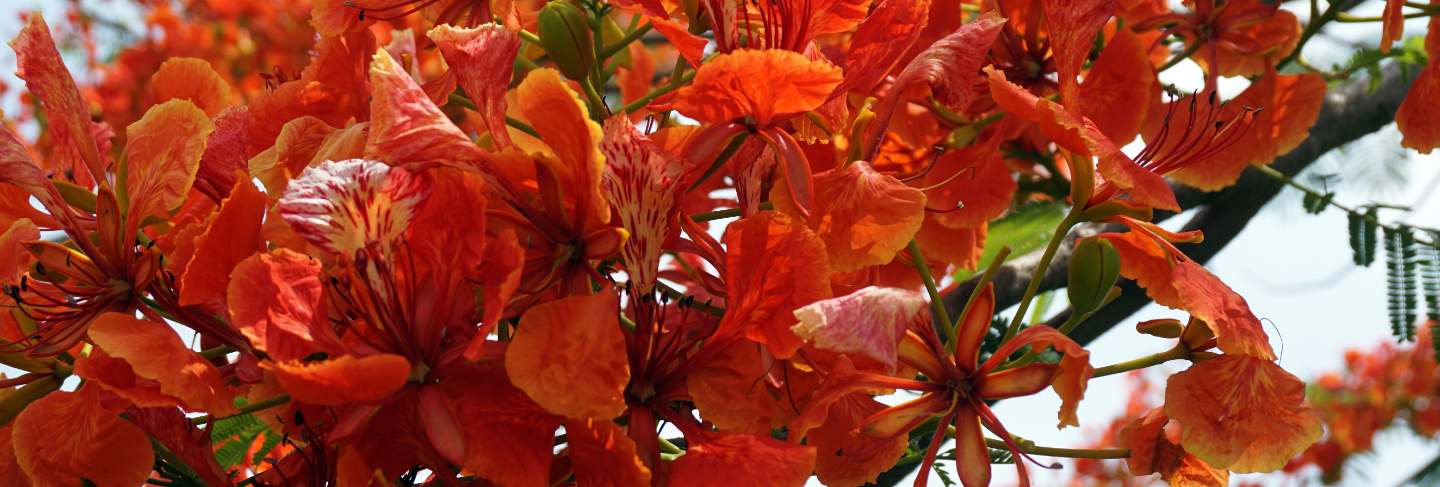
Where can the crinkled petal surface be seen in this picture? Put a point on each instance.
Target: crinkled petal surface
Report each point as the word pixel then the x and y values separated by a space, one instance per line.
pixel 342 380
pixel 763 84
pixel 569 356
pixel 1180 283
pixel 344 206
pixel 773 265
pixel 1241 413
pixel 603 456
pixel 277 300
pixel 232 235
pixel 163 152
pixel 868 322
pixel 864 217
pixel 191 79
pixel 741 460
pixel 155 352
pixel 68 436
pixel 483 60
pixel 405 125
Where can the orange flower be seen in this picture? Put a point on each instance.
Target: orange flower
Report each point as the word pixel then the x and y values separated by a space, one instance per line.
pixel 957 386
pixel 550 193
pixel 107 269
pixel 1235 37
pixel 1155 448
pixel 773 265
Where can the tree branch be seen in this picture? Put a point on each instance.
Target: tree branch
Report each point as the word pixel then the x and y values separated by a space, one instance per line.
pixel 1349 113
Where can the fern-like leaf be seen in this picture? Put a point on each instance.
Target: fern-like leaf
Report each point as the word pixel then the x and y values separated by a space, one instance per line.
pixel 1400 281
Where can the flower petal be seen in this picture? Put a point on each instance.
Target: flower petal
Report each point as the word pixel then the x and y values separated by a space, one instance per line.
pixel 343 380
pixel 1075 369
pixel 155 352
pixel 1152 451
pixel 741 457
pixel 1118 89
pixel 764 84
pixel 13 256
pixel 66 111
pixel 405 126
pixel 226 153
pixel 162 152
pixel 603 456
pixel 845 458
pixel 508 438
pixel 773 265
pixel 192 79
pixel 69 436
pixel 569 356
pixel 1417 118
pixel 1180 283
pixel 864 217
pixel 1072 27
pixel 278 301
pixel 483 60
pixel 892 28
pixel 643 181
pixel 232 235
pixel 345 206
pixel 691 46
pixel 1242 413
pixel 869 322
pixel 1290 105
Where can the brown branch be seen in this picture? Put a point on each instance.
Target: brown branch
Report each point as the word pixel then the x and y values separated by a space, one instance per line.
pixel 1349 113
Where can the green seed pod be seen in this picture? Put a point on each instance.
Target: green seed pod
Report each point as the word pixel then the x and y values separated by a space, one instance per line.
pixel 1094 268
pixel 565 35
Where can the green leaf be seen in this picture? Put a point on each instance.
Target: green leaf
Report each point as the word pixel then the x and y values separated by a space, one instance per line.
pixel 1401 280
pixel 1024 230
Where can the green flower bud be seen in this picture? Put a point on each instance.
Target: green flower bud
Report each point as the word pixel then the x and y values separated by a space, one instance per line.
pixel 1094 268
pixel 565 35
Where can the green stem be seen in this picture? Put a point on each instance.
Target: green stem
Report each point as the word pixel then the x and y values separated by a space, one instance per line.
pixel 173 461
pixel 668 447
pixel 597 104
pixel 1189 50
pixel 1316 22
pixel 1176 353
pixel 249 408
pixel 937 306
pixel 1050 451
pixel 624 42
pixel 656 93
pixel 217 352
pixel 1040 269
pixel 458 99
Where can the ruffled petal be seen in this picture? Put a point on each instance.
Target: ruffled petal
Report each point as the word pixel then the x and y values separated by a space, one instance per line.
pixel 1075 369
pixel 1418 119
pixel 749 459
pixel 773 265
pixel 277 300
pixel 192 79
pixel 508 438
pixel 66 111
pixel 1180 283
pixel 406 127
pixel 1242 413
pixel 644 182
pixel 342 380
pixel 868 322
pixel 156 353
pixel 1119 88
pixel 762 84
pixel 845 458
pixel 603 456
pixel 162 153
pixel 232 235
pixel 345 206
pixel 483 60
pixel 1153 451
pixel 1072 27
pixel 69 436
pixel 569 356
pixel 864 217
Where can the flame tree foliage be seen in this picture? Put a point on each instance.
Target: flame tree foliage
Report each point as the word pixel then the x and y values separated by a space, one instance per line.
pixel 474 242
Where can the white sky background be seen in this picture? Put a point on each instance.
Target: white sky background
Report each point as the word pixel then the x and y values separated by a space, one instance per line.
pixel 1293 268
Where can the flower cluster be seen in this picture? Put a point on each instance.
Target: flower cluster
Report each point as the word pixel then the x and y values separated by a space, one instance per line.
pixel 479 242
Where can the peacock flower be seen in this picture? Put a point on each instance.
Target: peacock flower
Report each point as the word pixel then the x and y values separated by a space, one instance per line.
pixel 1234 37
pixel 104 267
pixel 339 17
pixel 1238 411
pixel 550 191
pixel 956 386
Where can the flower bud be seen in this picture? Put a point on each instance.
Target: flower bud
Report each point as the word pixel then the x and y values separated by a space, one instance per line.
pixel 1094 268
pixel 564 32
pixel 1163 328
